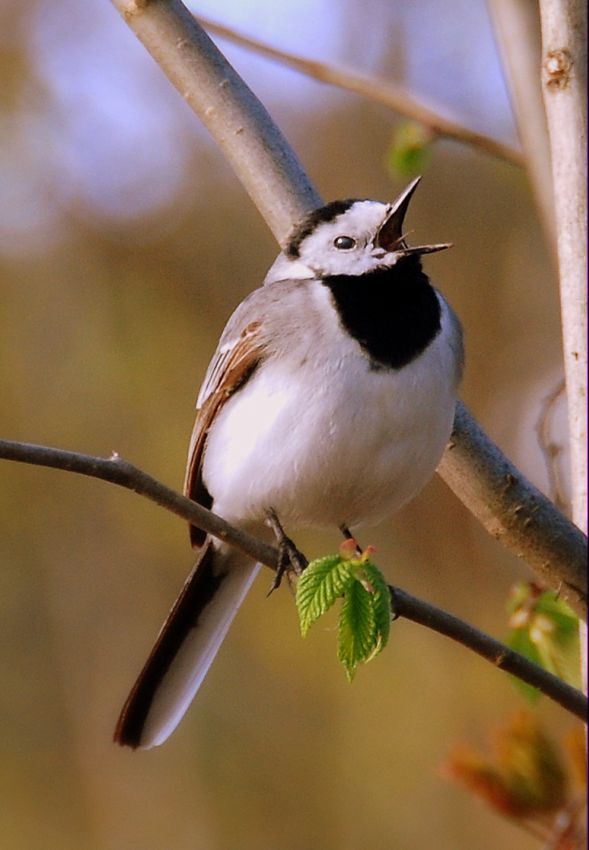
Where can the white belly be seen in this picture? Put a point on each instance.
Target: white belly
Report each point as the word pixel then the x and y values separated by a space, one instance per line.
pixel 348 450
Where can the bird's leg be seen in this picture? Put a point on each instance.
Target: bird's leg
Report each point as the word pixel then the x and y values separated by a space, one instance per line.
pixel 290 558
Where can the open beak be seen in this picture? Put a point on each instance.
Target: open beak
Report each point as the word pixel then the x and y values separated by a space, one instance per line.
pixel 390 236
pixel 423 249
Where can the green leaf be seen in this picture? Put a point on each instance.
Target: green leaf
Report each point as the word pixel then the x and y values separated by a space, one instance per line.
pixel 381 604
pixel 365 616
pixel 410 150
pixel 322 582
pixel 357 634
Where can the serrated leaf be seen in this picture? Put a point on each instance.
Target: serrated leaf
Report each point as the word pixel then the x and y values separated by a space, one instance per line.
pixel 322 582
pixel 381 604
pixel 357 635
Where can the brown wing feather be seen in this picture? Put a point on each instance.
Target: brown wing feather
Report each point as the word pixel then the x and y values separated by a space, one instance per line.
pixel 228 372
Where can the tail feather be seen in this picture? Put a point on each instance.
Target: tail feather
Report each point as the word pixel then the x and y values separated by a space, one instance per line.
pixel 186 646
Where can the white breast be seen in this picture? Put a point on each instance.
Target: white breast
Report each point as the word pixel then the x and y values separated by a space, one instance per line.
pixel 324 439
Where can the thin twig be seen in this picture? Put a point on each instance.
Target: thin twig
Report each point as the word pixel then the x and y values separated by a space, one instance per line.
pixel 392 95
pixel 118 471
pixel 551 450
pixel 405 605
pixel 477 471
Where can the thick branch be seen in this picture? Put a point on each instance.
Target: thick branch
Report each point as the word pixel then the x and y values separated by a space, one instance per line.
pixel 517 33
pixel 392 95
pixel 514 511
pixel 260 155
pixel 564 78
pixel 120 472
pixel 475 469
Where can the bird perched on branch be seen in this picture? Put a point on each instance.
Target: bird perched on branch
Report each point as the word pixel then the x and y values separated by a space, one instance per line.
pixel 328 402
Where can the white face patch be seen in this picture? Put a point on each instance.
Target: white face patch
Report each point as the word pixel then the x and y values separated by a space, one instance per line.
pixel 345 245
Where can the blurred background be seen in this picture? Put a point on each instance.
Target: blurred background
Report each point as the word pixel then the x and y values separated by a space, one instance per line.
pixel 125 243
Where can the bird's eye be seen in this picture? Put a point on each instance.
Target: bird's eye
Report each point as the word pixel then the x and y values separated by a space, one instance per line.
pixel 344 243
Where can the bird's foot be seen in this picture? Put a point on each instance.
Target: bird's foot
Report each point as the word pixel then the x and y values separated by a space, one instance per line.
pixel 290 559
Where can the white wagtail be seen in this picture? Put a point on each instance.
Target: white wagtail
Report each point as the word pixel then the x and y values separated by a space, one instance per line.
pixel 329 401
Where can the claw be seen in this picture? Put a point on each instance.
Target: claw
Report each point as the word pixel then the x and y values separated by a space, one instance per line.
pixel 290 559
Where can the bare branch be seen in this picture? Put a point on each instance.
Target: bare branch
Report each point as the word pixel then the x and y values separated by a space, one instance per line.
pixel 475 468
pixel 118 471
pixel 564 77
pixel 124 474
pixel 514 511
pixel 392 95
pixel 551 450
pixel 261 157
pixel 405 605
pixel 517 32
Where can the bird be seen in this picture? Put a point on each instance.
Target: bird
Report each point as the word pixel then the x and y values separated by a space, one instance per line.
pixel 328 402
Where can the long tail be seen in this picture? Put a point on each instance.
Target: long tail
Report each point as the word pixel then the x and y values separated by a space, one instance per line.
pixel 186 646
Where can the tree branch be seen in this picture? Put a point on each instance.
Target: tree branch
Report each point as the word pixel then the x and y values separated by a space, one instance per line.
pixel 564 70
pixel 260 155
pixel 552 451
pixel 475 469
pixel 405 605
pixel 392 95
pixel 517 34
pixel 118 471
pixel 514 511
pixel 564 78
